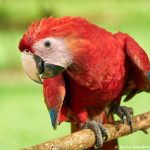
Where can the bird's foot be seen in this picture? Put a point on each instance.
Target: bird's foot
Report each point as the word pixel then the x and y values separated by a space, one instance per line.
pixel 122 112
pixel 99 131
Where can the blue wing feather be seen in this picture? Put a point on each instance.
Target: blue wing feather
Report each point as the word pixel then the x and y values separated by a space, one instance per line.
pixel 53 116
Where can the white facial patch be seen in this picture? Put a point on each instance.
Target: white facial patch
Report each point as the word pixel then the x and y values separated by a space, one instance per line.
pixel 57 53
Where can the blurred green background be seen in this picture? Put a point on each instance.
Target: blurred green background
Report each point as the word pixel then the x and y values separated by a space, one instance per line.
pixel 24 120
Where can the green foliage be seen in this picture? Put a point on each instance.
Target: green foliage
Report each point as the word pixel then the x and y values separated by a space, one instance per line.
pixel 24 117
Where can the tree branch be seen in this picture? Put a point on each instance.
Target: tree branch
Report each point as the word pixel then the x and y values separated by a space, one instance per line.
pixel 85 138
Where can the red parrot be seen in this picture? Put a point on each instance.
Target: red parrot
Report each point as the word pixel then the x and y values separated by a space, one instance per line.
pixel 84 70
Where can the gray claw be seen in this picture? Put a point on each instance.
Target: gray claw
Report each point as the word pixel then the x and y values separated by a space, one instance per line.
pixel 99 131
pixel 123 111
pixel 103 130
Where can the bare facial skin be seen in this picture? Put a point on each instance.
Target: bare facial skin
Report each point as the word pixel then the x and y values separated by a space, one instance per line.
pixel 55 52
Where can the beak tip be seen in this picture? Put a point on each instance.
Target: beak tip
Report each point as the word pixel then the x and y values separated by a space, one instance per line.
pixel 39 81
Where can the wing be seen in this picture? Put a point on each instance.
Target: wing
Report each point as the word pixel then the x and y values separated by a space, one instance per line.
pixel 139 63
pixel 57 99
pixel 139 73
pixel 54 94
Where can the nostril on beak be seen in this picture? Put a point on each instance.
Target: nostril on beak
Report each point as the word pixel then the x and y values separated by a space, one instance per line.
pixel 39 63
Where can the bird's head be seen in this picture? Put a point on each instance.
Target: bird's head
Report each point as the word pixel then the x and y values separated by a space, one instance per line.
pixel 48 46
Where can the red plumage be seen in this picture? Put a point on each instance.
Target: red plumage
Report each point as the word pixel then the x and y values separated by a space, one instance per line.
pixel 103 65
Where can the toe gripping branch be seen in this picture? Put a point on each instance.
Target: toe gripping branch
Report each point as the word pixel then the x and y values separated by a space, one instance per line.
pixel 99 131
pixel 123 112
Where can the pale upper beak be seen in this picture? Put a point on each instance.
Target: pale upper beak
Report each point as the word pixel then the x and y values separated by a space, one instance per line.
pixel 30 62
pixel 36 68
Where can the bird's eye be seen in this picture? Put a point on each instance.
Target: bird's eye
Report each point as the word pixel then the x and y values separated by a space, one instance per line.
pixel 47 44
pixel 26 51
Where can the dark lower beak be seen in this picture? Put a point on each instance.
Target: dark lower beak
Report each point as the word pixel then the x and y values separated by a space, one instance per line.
pixel 51 70
pixel 47 70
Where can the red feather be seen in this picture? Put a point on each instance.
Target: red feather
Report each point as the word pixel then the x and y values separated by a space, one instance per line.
pixel 104 64
pixel 102 61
